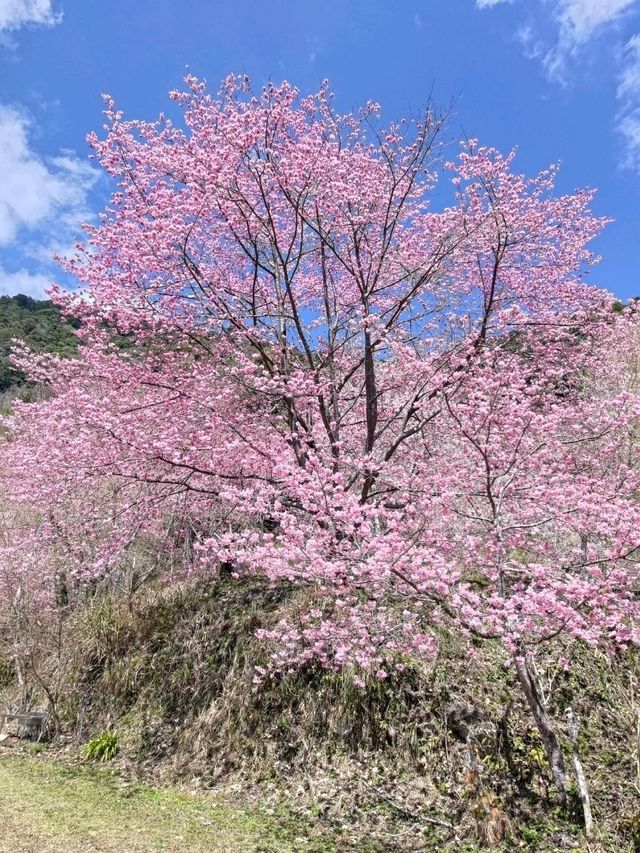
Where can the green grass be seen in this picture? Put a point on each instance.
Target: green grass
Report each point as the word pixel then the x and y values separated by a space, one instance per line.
pixel 48 807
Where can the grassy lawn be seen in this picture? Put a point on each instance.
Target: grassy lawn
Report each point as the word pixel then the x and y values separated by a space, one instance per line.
pixel 46 808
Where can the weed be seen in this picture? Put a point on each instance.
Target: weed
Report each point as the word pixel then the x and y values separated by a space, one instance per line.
pixel 104 747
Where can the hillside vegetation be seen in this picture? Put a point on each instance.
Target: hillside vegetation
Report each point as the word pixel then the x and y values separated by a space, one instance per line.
pixel 441 756
pixel 36 322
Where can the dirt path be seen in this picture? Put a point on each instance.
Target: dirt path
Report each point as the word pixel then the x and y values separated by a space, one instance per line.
pixel 50 808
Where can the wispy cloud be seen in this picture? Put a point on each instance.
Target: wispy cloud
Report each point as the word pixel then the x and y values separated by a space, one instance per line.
pixel 16 13
pixel 629 80
pixel 581 19
pixel 532 45
pixel 578 23
pixel 559 30
pixel 562 34
pixel 628 120
pixel 43 199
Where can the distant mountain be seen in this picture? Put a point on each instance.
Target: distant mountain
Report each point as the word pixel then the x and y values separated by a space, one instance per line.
pixel 39 324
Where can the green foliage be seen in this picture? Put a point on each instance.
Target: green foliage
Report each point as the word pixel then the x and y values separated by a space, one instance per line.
pixel 36 322
pixel 104 747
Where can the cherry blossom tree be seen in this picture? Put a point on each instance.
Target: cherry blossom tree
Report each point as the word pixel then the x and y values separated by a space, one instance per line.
pixel 404 409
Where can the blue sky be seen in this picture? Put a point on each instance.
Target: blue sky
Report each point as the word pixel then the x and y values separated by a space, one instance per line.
pixel 558 78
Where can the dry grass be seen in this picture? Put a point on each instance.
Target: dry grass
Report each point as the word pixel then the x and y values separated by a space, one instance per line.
pixel 382 769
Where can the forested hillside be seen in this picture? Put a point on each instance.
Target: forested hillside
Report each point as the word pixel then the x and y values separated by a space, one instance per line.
pixel 36 322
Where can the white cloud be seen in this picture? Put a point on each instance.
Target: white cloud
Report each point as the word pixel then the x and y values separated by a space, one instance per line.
pixel 629 96
pixel 560 33
pixel 580 20
pixel 16 13
pixel 36 192
pixel 43 203
pixel 573 23
pixel 629 81
pixel 23 281
pixel 43 200
pixel 532 46
pixel 629 128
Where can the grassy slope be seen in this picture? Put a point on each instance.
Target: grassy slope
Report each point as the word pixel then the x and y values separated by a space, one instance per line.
pixel 49 808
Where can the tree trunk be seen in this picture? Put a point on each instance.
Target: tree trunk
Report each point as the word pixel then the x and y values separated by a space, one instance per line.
pixel 581 778
pixel 23 684
pixel 545 726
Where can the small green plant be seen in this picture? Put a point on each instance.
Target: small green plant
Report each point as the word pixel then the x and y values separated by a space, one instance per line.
pixel 34 748
pixel 104 747
pixel 530 835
